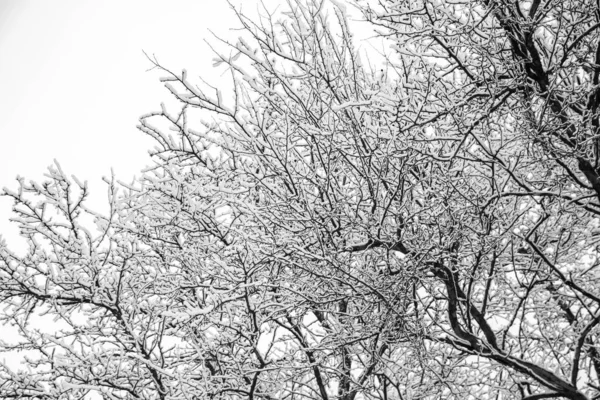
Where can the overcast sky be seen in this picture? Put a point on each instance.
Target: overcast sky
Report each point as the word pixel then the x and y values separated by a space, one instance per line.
pixel 73 81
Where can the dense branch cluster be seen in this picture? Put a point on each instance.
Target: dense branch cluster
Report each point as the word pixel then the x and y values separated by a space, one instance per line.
pixel 324 229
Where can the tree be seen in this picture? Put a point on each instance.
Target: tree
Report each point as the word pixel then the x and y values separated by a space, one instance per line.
pixel 424 229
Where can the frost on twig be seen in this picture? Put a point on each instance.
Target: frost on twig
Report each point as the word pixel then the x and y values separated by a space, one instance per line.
pixel 312 229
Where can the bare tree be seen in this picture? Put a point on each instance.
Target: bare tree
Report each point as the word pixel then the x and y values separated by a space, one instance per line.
pixel 326 229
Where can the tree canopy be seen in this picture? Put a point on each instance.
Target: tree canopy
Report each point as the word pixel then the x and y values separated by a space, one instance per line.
pixel 326 228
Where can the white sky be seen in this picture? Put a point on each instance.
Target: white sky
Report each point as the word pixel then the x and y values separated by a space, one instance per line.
pixel 73 82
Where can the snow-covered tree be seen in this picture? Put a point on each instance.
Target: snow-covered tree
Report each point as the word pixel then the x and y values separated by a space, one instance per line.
pixel 327 226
